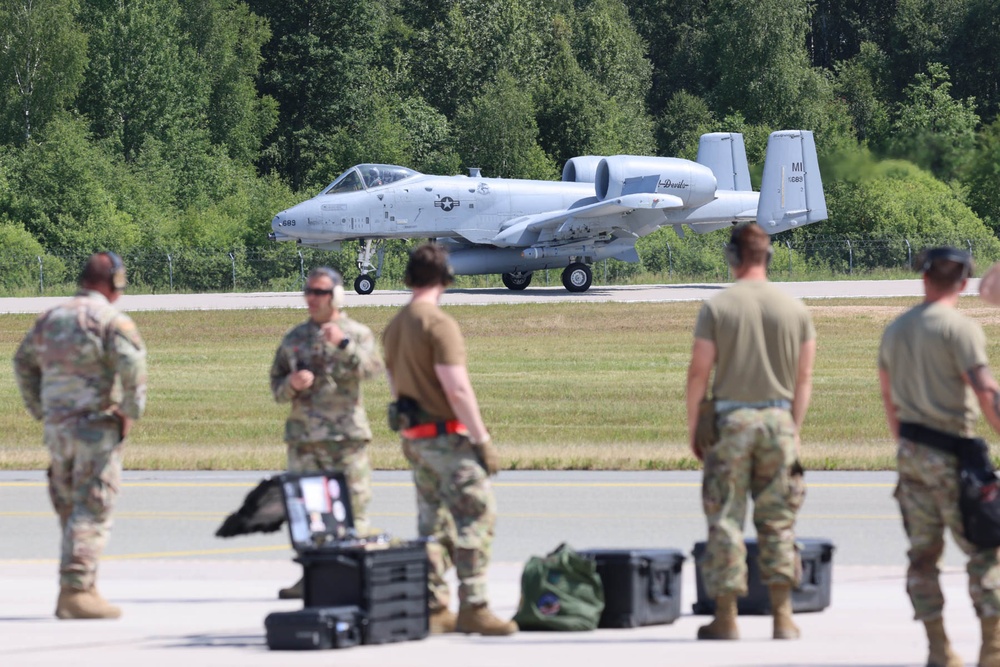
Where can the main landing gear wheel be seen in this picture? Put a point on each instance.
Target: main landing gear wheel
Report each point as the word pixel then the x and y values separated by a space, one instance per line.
pixel 577 277
pixel 364 284
pixel 516 281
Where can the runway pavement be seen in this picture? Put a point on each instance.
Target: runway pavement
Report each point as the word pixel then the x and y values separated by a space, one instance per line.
pixel 618 293
pixel 190 598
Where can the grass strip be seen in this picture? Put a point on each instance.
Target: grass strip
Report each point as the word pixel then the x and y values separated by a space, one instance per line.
pixel 562 386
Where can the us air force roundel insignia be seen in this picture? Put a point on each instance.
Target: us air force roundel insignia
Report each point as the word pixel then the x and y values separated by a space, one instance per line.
pixel 446 204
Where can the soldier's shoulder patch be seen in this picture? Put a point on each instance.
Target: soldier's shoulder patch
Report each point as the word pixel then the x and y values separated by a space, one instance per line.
pixel 125 327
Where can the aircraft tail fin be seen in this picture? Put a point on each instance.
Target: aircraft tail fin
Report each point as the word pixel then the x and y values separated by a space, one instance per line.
pixel 791 191
pixel 725 154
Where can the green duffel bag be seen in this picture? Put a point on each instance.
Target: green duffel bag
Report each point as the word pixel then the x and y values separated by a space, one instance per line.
pixel 560 592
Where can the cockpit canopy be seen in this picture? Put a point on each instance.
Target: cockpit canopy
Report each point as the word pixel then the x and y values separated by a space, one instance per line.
pixel 368 176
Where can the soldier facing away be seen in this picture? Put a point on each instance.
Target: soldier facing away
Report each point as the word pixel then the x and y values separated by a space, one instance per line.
pixel 934 379
pixel 447 445
pixel 82 370
pixel 762 344
pixel 318 368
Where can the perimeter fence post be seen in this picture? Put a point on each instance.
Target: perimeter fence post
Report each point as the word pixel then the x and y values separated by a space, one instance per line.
pixel 909 254
pixel 302 268
pixel 788 244
pixel 41 276
pixel 670 262
pixel 233 260
pixel 850 258
pixel 170 270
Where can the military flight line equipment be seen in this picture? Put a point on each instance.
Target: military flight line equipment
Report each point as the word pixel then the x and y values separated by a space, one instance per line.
pixel 641 586
pixel 600 208
pixel 812 593
pixel 357 589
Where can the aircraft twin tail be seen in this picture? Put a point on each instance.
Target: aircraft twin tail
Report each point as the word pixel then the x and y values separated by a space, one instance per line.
pixel 597 211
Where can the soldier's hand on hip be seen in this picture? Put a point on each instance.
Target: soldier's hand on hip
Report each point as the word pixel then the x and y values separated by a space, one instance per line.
pixel 300 380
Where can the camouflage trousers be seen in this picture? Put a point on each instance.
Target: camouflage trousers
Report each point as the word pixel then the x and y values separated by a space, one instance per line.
pixel 755 454
pixel 349 457
pixel 84 481
pixel 456 506
pixel 928 500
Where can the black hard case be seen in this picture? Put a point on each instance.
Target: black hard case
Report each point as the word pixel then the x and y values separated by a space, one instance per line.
pixel 812 594
pixel 641 586
pixel 314 628
pixel 389 585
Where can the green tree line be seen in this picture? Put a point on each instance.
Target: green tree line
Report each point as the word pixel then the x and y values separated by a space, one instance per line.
pixel 169 126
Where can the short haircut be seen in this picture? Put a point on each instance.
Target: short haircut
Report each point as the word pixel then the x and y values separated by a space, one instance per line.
pixel 332 274
pixel 945 267
pixel 751 242
pixel 428 266
pixel 103 268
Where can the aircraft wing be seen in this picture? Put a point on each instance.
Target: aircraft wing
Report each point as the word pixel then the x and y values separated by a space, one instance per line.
pixel 527 229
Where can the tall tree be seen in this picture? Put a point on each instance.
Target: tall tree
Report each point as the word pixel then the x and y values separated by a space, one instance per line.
pixel 42 56
pixel 497 132
pixel 227 39
pixel 933 129
pixel 316 67
pixel 142 81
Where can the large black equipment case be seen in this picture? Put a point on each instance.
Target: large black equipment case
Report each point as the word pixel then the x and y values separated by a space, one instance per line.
pixel 812 593
pixel 388 585
pixel 641 586
pixel 314 628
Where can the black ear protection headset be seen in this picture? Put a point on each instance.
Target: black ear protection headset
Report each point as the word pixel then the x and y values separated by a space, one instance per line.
pixel 946 253
pixel 117 277
pixel 734 257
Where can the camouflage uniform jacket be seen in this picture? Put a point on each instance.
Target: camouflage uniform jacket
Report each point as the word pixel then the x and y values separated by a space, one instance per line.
pixel 332 408
pixel 81 358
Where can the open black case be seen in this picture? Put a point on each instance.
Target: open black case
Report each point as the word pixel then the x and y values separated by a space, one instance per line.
pixel 382 585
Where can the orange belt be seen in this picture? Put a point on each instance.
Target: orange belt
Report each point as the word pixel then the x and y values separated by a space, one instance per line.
pixel 434 429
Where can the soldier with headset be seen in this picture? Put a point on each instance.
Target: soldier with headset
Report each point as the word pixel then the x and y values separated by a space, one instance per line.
pixel 447 444
pixel 318 368
pixel 761 344
pixel 82 370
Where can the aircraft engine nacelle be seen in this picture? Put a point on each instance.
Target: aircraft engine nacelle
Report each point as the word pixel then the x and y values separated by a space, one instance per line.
pixel 582 169
pixel 693 183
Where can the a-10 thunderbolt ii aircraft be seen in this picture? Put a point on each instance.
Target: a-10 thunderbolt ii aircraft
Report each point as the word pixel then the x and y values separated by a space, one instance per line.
pixel 600 208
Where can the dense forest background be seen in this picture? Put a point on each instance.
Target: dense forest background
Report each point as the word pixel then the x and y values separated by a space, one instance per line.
pixel 171 131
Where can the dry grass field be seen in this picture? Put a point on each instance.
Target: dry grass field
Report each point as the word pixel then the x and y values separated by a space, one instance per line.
pixel 562 386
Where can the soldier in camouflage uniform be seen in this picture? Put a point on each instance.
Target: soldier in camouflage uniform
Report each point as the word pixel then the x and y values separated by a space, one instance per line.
pixel 934 379
pixel 82 370
pixel 318 368
pixel 762 344
pixel 447 445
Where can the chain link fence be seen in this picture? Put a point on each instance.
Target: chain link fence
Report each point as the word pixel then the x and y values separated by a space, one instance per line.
pixel 283 267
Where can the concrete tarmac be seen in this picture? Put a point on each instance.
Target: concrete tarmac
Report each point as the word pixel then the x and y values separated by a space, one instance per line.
pixel 190 598
pixel 486 296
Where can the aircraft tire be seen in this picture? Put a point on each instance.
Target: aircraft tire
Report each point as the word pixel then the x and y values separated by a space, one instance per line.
pixel 577 277
pixel 364 284
pixel 516 281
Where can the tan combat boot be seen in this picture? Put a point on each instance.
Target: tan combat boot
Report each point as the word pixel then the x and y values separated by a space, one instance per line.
pixel 724 625
pixel 989 654
pixel 293 592
pixel 939 653
pixel 442 621
pixel 80 604
pixel 478 618
pixel 781 608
